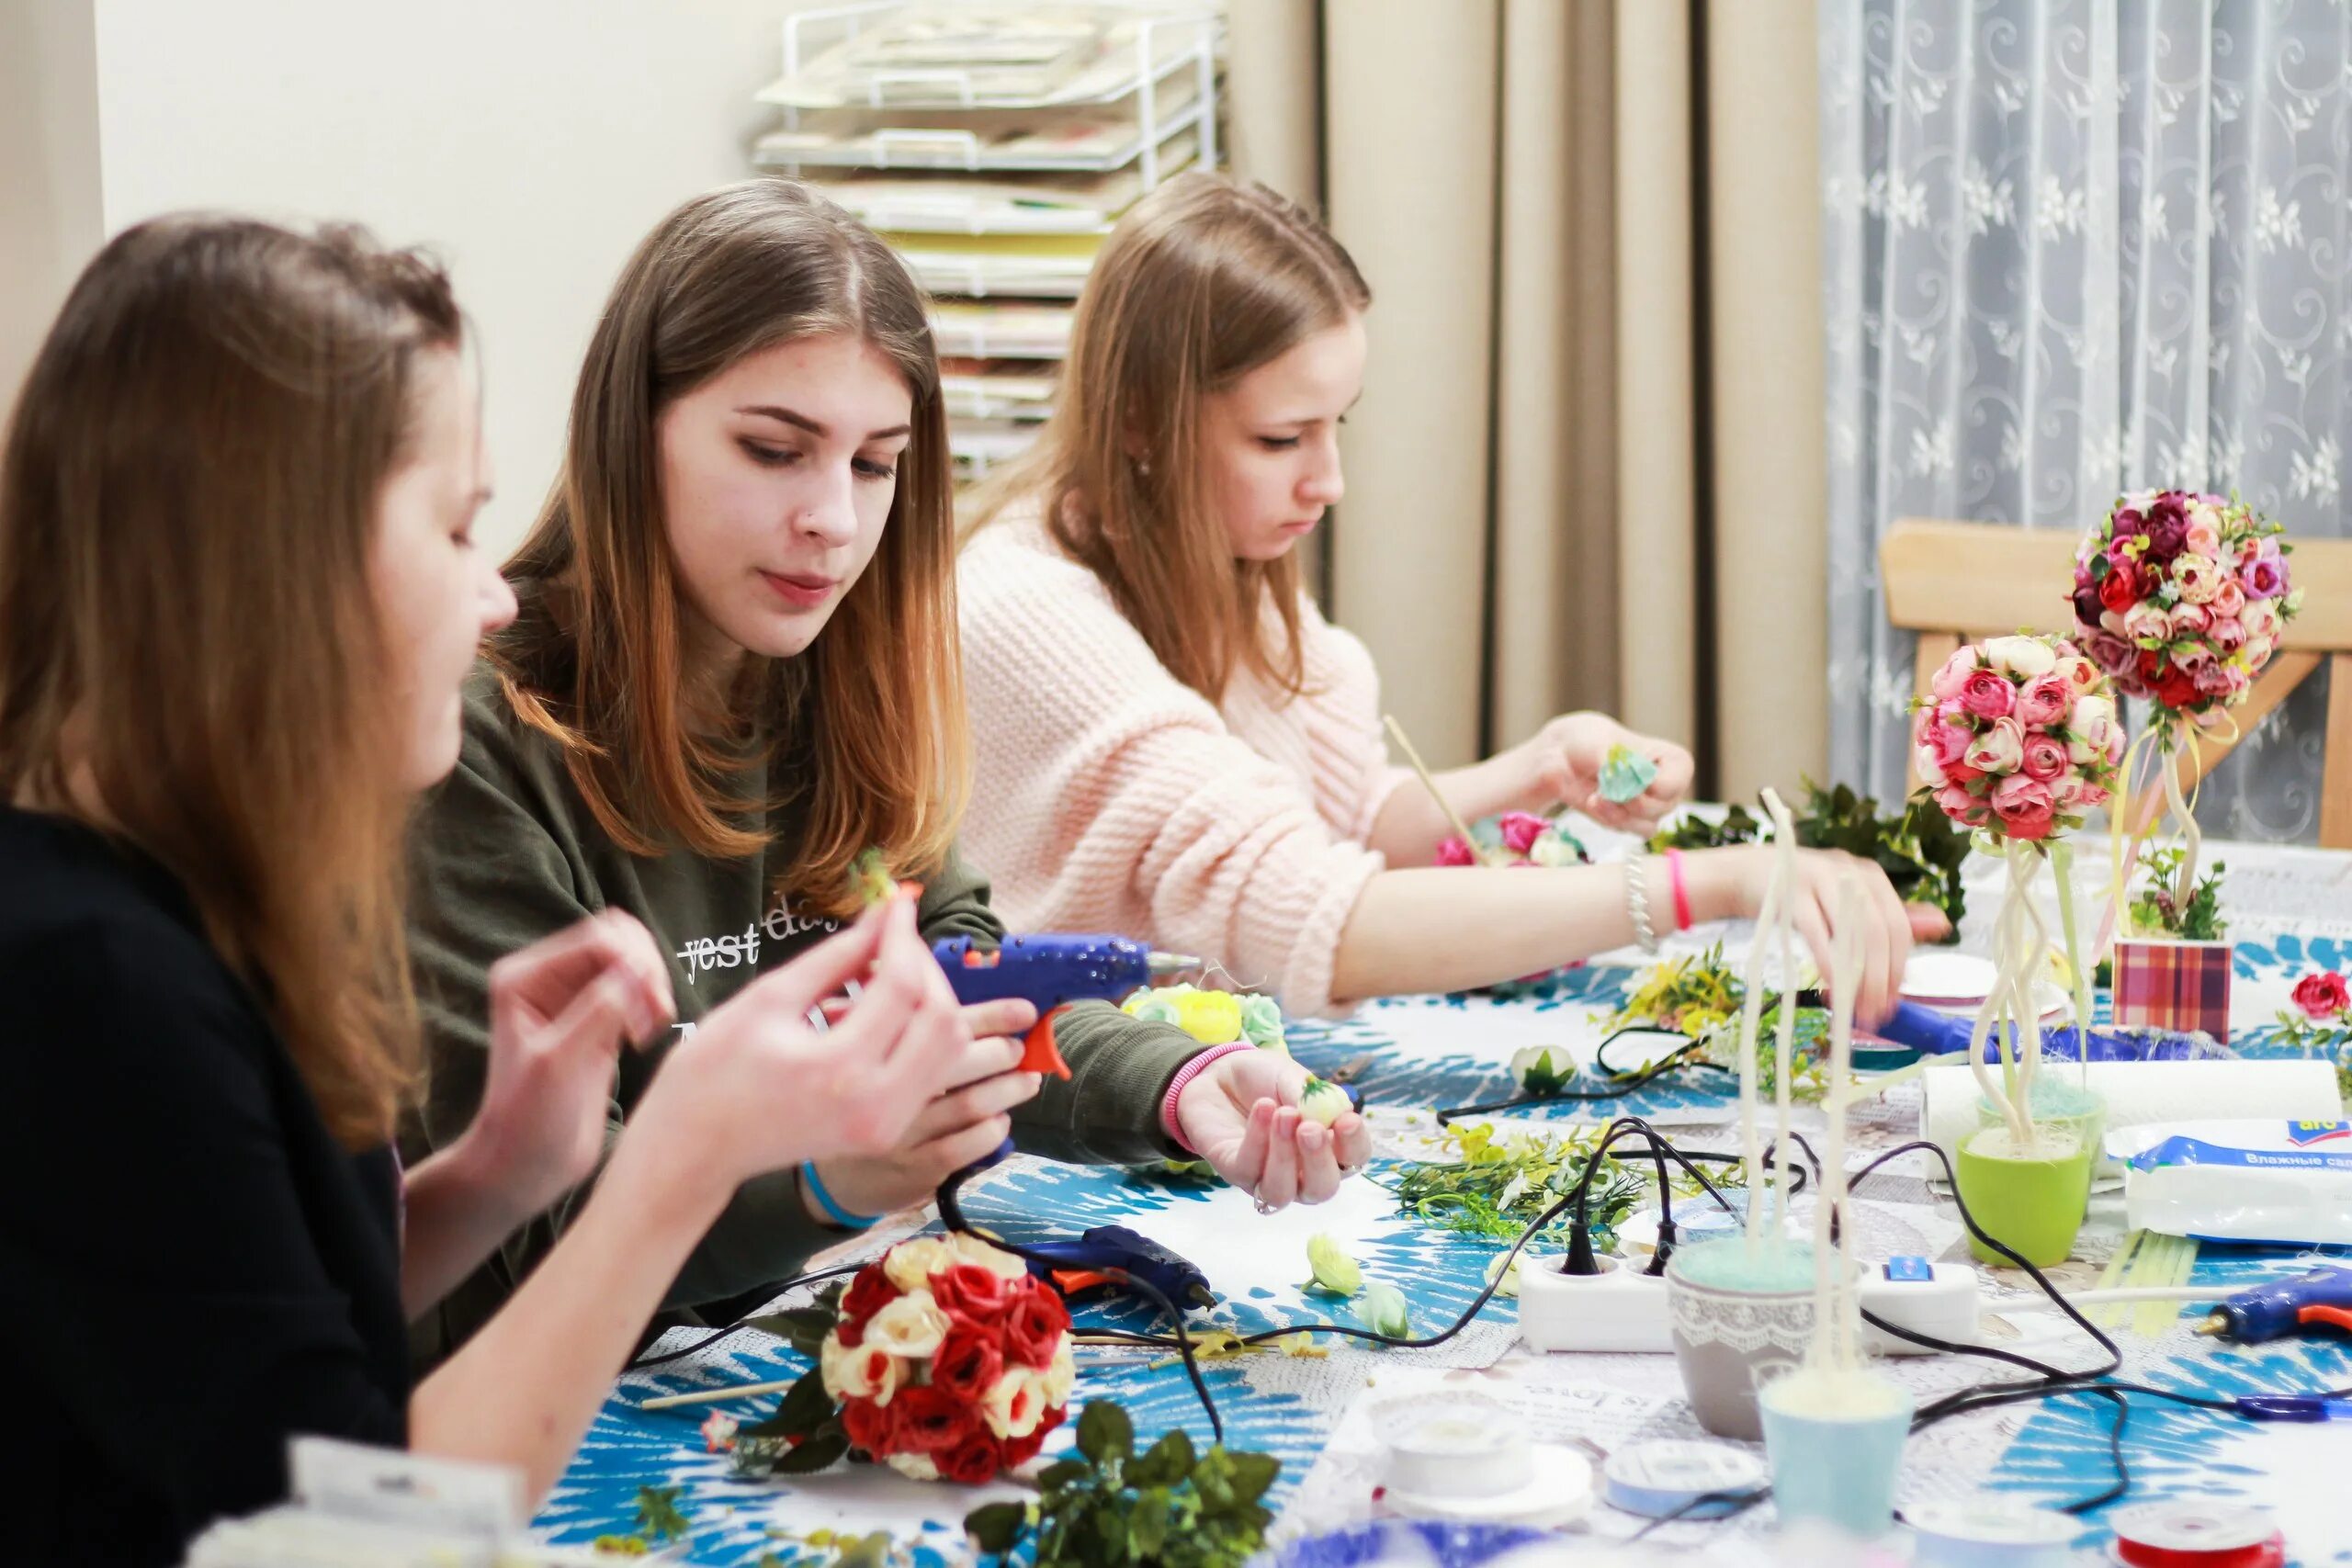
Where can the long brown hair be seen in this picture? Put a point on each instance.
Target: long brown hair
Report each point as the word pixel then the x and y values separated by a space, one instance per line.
pixel 1204 281
pixel 873 712
pixel 188 502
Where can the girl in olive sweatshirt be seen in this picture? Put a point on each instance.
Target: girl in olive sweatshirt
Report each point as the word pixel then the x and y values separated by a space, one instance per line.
pixel 734 668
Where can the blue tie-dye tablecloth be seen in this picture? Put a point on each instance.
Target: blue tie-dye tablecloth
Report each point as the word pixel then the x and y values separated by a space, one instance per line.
pixel 2293 913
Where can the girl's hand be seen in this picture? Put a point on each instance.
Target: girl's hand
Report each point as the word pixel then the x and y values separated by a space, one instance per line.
pixel 966 1123
pixel 1241 1115
pixel 558 1011
pixel 1742 874
pixel 759 1086
pixel 1564 762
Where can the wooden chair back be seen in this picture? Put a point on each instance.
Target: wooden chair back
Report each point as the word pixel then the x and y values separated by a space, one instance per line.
pixel 1955 583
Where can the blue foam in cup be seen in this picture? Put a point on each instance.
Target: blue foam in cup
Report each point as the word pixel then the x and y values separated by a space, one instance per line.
pixel 1837 1469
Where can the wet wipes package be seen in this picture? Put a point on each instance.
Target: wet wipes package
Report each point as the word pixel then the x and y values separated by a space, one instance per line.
pixel 2283 1182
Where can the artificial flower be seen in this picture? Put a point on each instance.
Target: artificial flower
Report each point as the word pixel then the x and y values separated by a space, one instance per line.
pixel 910 1327
pixel 1061 1377
pixel 2026 657
pixel 910 1264
pixel 2322 996
pixel 867 1294
pixel 1335 1273
pixel 929 1420
pixel 969 1248
pixel 1261 1024
pixel 1988 694
pixel 1383 1309
pixel 1537 1070
pixel 1035 1326
pixel 969 1361
pixel 971 1463
pixel 866 1371
pixel 1322 1102
pixel 1014 1401
pixel 970 1292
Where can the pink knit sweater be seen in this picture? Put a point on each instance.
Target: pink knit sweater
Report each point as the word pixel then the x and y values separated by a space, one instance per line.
pixel 1112 796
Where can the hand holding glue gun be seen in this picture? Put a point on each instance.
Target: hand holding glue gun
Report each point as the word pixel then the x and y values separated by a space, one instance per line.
pixel 1050 973
pixel 1242 1113
pixel 1239 1112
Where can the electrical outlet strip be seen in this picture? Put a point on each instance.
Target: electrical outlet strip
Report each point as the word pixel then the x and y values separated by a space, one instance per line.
pixel 1621 1309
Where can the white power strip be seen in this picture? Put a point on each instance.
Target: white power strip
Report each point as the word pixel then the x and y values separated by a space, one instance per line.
pixel 1623 1309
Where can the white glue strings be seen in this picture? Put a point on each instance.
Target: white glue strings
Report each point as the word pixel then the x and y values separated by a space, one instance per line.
pixel 1776 913
pixel 1784 852
pixel 1837 1309
pixel 1212 970
pixel 1998 1011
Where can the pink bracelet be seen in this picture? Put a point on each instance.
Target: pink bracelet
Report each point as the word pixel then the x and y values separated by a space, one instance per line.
pixel 1184 1076
pixel 1682 920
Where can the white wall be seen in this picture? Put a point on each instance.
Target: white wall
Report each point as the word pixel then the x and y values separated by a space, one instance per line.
pixel 530 143
pixel 49 170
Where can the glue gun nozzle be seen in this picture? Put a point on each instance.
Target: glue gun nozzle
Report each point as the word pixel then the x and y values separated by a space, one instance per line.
pixel 1164 966
pixel 2213 1327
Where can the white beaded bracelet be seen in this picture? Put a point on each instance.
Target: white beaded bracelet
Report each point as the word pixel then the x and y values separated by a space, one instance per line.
pixel 1637 904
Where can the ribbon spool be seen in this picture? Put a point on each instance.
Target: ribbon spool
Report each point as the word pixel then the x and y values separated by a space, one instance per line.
pixel 1985 1531
pixel 1669 1477
pixel 1463 1456
pixel 1463 1446
pixel 2196 1534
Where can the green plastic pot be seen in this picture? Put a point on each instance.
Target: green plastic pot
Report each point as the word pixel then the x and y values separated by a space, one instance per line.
pixel 2032 1203
pixel 2060 1103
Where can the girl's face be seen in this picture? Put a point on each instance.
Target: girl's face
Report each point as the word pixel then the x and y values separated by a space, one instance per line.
pixel 777 476
pixel 1270 442
pixel 437 595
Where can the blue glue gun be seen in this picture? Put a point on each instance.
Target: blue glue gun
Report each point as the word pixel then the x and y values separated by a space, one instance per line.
pixel 1054 970
pixel 2283 1307
pixel 1050 973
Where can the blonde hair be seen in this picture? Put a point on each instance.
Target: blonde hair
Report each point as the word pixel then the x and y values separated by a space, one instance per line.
pixel 188 502
pixel 874 710
pixel 1205 280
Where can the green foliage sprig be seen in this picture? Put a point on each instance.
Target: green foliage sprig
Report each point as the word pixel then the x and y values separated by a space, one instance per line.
pixel 1497 1186
pixel 2156 912
pixel 1921 849
pixel 1108 1507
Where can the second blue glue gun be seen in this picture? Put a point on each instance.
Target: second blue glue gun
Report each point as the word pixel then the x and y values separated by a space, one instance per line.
pixel 2283 1307
pixel 1933 1033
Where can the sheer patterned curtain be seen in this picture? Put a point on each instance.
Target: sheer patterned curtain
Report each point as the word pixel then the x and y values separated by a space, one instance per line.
pixel 2074 247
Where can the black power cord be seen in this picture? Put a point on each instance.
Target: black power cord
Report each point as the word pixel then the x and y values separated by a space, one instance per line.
pixel 2049 1383
pixel 1623 1082
pixel 1620 1082
pixel 1180 1340
pixel 741 1323
pixel 951 1214
pixel 2054 1382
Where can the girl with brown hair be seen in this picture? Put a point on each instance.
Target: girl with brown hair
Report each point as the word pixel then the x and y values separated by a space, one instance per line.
pixel 734 670
pixel 1172 741
pixel 238 595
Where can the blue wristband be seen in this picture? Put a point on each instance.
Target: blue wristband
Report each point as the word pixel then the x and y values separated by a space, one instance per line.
pixel 835 1212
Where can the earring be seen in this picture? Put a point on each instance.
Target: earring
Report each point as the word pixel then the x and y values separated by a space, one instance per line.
pixel 1143 467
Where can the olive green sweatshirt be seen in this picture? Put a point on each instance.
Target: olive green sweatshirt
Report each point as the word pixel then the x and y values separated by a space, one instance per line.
pixel 506 852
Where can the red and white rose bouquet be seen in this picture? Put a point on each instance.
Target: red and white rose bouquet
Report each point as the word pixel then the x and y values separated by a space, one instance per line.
pixel 944 1359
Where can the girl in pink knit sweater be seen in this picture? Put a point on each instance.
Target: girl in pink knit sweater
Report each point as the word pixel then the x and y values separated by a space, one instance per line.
pixel 1171 741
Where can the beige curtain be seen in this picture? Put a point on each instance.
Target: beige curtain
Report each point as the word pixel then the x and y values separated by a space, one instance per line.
pixel 1591 230
pixel 49 170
